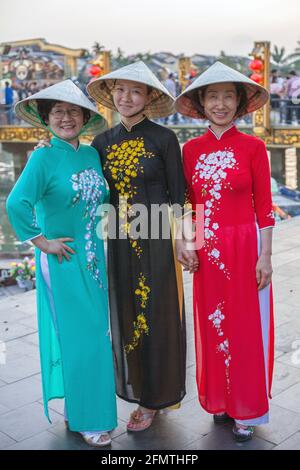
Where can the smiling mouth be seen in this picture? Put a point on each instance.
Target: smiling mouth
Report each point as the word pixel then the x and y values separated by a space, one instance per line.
pixel 220 115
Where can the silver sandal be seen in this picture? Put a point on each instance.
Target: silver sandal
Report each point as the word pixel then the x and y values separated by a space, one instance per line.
pixel 95 439
pixel 243 435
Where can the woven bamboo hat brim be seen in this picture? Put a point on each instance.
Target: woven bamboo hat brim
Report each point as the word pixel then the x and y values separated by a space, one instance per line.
pixel 162 103
pixel 65 91
pixel 186 103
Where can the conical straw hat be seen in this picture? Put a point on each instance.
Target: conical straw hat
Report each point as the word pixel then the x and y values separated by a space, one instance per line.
pixel 162 103
pixel 65 91
pixel 257 95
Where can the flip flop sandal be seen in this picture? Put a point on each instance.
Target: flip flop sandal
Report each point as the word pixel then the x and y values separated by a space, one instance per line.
pixel 140 421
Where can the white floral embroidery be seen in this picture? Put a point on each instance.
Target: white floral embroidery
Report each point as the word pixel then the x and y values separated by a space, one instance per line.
pixel 224 348
pixel 34 223
pixel 215 253
pixel 271 215
pixel 90 188
pixel 216 318
pixel 211 168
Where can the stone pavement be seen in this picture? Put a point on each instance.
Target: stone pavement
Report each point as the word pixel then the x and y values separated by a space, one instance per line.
pixel 22 422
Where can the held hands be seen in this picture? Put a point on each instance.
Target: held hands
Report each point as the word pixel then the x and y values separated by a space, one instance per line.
pixel 57 246
pixel 188 258
pixel 263 271
pixel 42 143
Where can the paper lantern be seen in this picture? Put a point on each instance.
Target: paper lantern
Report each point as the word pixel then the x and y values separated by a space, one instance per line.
pixel 95 70
pixel 257 77
pixel 256 65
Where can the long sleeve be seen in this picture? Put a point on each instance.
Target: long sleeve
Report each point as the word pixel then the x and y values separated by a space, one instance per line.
pixel 174 172
pixel 96 145
pixel 28 190
pixel 261 187
pixel 187 169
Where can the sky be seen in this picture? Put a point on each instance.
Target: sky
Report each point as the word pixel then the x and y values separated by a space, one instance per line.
pixel 177 26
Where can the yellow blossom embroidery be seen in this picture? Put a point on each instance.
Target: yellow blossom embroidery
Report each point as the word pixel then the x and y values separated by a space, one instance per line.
pixel 142 291
pixel 140 326
pixel 123 162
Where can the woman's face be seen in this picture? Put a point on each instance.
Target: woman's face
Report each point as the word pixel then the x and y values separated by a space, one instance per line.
pixel 130 98
pixel 66 120
pixel 220 102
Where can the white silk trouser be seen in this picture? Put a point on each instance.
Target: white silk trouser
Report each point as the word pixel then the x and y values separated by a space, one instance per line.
pixel 264 306
pixel 46 277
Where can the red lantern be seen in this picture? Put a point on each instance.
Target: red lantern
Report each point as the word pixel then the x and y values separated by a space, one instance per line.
pixel 256 65
pixel 95 70
pixel 257 77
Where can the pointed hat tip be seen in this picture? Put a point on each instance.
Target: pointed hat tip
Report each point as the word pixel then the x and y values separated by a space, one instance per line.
pixel 218 63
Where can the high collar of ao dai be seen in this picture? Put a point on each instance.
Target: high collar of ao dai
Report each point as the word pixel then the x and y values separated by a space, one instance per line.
pixel 225 134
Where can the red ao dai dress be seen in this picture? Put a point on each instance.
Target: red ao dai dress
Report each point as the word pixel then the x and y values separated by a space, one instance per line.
pixel 230 176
